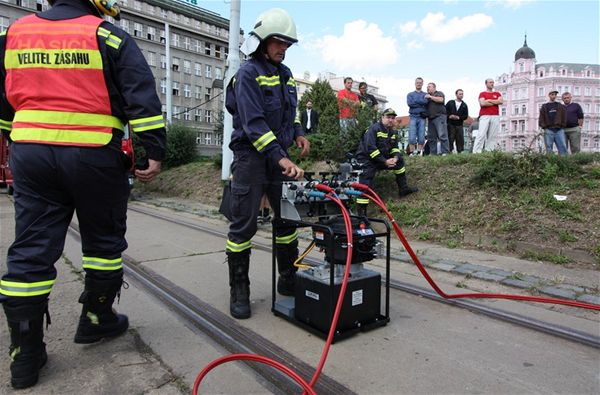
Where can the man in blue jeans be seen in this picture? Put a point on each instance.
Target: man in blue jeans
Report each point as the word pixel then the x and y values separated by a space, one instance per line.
pixel 553 119
pixel 437 129
pixel 417 110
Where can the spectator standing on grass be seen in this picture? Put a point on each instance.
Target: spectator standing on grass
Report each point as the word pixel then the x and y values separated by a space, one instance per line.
pixel 437 130
pixel 553 118
pixel 457 112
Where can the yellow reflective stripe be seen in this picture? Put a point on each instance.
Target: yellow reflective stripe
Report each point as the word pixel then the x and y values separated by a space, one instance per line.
pixel 235 247
pixel 297 118
pixel 68 118
pixel 375 153
pixel 7 125
pixel 111 39
pixel 287 239
pixel 362 201
pixel 400 171
pixel 264 140
pixel 394 150
pixel 53 58
pixel 60 136
pixel 11 288
pixel 148 123
pixel 382 135
pixel 267 81
pixel 3 33
pixel 291 82
pixel 101 263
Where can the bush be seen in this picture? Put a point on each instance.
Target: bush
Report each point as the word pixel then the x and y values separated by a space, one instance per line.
pixel 181 145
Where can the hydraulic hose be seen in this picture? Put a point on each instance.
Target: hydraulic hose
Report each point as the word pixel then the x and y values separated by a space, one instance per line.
pixel 307 387
pixel 370 194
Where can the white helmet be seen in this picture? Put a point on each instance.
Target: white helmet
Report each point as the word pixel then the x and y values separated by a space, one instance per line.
pixel 275 22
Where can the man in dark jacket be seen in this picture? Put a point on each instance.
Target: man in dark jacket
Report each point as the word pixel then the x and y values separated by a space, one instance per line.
pixel 69 83
pixel 457 112
pixel 378 150
pixel 553 119
pixel 309 119
pixel 262 99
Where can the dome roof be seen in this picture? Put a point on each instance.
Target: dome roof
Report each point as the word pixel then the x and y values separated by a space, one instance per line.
pixel 524 52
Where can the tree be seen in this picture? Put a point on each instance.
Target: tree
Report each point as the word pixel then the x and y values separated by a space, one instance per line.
pixel 181 145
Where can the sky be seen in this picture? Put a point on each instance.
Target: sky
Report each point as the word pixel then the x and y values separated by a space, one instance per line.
pixel 454 43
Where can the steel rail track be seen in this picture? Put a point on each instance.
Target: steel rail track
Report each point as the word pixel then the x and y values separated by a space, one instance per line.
pixel 496 313
pixel 226 331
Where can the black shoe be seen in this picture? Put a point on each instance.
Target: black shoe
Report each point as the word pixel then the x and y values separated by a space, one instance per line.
pixel 93 328
pixel 408 190
pixel 25 367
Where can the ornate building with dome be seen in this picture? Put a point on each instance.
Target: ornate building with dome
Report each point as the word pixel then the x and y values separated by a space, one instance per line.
pixel 526 88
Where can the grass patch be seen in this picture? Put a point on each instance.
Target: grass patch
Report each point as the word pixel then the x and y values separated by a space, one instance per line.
pixel 557 259
pixel 566 237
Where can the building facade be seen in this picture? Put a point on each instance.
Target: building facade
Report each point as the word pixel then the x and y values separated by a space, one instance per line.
pixel 525 90
pixel 198 47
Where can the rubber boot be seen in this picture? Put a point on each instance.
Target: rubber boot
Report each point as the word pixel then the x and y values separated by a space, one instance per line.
pixel 98 320
pixel 286 256
pixel 27 348
pixel 361 210
pixel 239 284
pixel 403 188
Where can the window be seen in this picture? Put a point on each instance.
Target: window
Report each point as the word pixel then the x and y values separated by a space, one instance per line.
pixel 588 91
pixel 597 108
pixel 125 25
pixel 137 30
pixel 207 49
pixel 587 108
pixel 163 86
pixel 522 126
pixel 218 73
pixel 503 127
pixel 576 91
pixel 198 92
pixel 198 115
pixel 208 71
pixel 151 57
pixel 186 114
pixel 208 116
pixel 163 108
pixel 588 73
pixel 598 92
pixel 176 112
pixel 151 33
pixel 598 125
pixel 187 67
pixel 541 91
pixel 586 143
pixel 208 138
pixel 503 111
pixel 563 72
pixel 4 23
pixel 524 109
pixel 566 88
pixel 226 52
pixel 521 67
pixel 175 64
pixel 207 94
pixel 197 46
pixel 187 92
pixel 187 43
pixel 163 61
pixel 175 88
pixel 515 110
pixel 515 94
pixel 586 125
pixel 514 126
pixel 541 73
pixel 197 69
pixel 175 38
pixel 162 37
pixel 217 51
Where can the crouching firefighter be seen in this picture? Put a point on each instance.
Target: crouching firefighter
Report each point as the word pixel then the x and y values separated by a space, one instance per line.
pixel 378 150
pixel 69 82
pixel 262 100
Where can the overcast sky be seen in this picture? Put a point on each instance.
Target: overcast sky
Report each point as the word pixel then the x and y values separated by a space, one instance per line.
pixel 454 43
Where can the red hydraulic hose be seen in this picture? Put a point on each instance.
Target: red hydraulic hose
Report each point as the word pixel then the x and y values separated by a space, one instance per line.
pixel 308 387
pixel 369 193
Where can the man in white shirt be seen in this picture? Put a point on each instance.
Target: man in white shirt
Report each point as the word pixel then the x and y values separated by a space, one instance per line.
pixel 309 119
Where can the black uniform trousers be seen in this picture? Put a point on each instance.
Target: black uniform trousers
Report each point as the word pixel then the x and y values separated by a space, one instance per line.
pixel 371 168
pixel 50 184
pixel 253 176
pixel 456 134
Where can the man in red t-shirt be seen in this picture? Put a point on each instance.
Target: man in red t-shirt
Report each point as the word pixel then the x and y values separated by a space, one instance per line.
pixel 489 118
pixel 348 102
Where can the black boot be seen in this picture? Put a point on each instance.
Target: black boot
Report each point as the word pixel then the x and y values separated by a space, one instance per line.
pixel 286 256
pixel 403 188
pixel 27 348
pixel 98 319
pixel 239 283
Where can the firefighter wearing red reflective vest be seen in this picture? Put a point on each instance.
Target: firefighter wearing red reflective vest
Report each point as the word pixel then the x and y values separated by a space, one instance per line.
pixel 69 83
pixel 262 99
pixel 378 150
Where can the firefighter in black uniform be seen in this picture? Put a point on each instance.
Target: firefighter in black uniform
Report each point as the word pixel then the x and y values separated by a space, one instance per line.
pixel 262 100
pixel 378 150
pixel 69 83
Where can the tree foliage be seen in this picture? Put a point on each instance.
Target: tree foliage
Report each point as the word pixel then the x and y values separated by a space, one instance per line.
pixel 181 145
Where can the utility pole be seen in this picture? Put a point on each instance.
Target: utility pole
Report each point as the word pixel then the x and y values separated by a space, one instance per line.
pixel 233 64
pixel 169 78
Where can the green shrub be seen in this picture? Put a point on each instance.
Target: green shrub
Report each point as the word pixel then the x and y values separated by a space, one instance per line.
pixel 181 145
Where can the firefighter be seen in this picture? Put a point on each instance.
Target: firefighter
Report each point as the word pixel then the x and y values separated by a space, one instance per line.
pixel 378 150
pixel 69 83
pixel 262 99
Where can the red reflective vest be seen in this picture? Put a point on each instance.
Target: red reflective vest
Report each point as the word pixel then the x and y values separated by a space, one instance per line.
pixel 55 82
